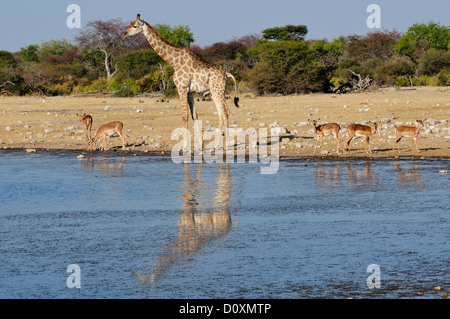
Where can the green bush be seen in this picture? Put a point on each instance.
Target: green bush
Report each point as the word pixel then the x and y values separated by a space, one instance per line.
pixel 287 67
pixel 402 80
pixel 434 61
pixel 137 64
pixel 443 78
pixel 124 92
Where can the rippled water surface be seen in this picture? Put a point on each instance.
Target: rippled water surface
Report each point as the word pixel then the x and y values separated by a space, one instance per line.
pixel 146 227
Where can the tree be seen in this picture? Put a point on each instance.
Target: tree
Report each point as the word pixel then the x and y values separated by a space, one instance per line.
pixel 137 64
pixel 29 53
pixel 179 35
pixel 54 48
pixel 106 37
pixel 329 53
pixel 286 33
pixel 380 45
pixel 287 67
pixel 433 61
pixel 421 37
pixel 7 59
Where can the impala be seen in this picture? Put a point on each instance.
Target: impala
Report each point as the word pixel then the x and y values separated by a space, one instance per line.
pixel 360 130
pixel 106 129
pixel 408 131
pixel 324 130
pixel 87 123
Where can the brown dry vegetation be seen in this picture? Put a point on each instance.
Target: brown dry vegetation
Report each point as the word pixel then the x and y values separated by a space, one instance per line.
pixel 51 123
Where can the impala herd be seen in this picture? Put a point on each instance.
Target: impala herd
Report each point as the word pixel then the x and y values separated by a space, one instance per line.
pixel 365 131
pixel 319 130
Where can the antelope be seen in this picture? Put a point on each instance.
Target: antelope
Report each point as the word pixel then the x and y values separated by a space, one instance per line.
pixel 105 129
pixel 87 123
pixel 360 130
pixel 324 130
pixel 409 131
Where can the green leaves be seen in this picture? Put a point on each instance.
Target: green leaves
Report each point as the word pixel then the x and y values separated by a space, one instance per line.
pixel 179 35
pixel 421 37
pixel 286 33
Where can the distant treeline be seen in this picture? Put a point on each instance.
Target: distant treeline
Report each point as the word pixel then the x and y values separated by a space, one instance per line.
pixel 278 61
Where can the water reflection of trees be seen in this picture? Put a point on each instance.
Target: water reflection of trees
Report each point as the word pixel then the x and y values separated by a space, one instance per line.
pixel 199 223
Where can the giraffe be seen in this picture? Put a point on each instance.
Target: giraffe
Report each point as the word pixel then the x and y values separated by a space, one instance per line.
pixel 191 74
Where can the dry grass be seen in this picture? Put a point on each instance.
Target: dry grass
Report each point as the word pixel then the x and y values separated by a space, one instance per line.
pixel 51 123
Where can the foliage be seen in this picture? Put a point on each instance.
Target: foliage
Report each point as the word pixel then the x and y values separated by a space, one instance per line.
pixel 29 53
pixel 374 45
pixel 137 64
pixel 180 35
pixel 53 48
pixel 287 67
pixel 433 61
pixel 7 59
pixel 286 33
pixel 105 37
pixel 277 61
pixel 421 37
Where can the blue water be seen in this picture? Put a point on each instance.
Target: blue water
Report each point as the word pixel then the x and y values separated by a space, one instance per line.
pixel 146 227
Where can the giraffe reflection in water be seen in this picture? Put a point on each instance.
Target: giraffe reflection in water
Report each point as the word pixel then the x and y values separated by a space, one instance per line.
pixel 199 223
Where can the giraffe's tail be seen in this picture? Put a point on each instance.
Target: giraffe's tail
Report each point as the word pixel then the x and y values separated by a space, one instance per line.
pixel 236 99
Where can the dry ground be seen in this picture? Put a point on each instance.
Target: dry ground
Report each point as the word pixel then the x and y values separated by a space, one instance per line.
pixel 51 123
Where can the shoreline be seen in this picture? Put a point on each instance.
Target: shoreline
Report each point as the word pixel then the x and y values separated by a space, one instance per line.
pixel 167 153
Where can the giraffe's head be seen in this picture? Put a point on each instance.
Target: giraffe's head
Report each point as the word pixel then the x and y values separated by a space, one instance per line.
pixel 135 27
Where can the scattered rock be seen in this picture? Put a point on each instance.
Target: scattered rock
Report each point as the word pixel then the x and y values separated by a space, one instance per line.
pixel 443 172
pixel 81 156
pixel 9 129
pixel 31 150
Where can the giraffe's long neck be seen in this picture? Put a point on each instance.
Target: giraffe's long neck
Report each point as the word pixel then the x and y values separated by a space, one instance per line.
pixel 161 46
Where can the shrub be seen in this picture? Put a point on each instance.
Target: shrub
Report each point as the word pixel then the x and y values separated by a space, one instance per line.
pixel 287 67
pixel 124 92
pixel 433 61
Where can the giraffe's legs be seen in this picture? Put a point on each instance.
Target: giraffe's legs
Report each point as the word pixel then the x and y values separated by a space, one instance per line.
pixel 183 94
pixel 218 97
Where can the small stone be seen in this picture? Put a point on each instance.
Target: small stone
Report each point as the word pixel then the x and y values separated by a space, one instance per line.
pixel 81 156
pixel 437 288
pixel 31 150
pixel 443 172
